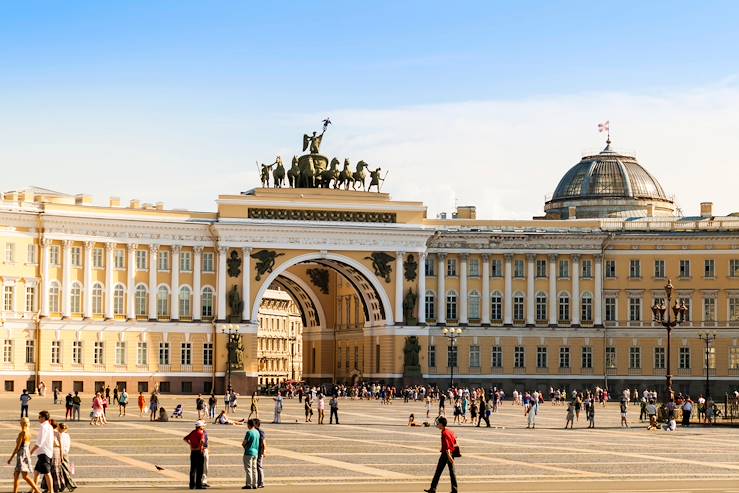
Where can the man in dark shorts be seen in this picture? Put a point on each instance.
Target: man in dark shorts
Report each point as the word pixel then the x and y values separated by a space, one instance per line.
pixel 44 450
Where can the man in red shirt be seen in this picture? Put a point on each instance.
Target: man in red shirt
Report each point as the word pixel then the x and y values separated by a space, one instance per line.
pixel 196 440
pixel 448 445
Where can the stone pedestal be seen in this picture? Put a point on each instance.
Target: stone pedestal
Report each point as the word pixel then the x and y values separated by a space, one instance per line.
pixel 242 383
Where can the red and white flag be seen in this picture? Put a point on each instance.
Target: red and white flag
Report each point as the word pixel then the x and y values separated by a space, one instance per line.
pixel 603 127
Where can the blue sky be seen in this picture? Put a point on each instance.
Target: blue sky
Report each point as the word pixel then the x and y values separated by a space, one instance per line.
pixel 210 87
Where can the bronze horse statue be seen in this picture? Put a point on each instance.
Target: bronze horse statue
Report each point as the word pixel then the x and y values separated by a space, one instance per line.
pixel 278 174
pixel 293 174
pixel 359 176
pixel 307 173
pixel 330 174
pixel 345 177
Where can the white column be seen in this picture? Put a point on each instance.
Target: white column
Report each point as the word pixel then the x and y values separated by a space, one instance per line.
pixel 87 305
pixel 485 301
pixel 399 288
pixel 196 267
pixel 46 276
pixel 441 290
pixel 508 295
pixel 67 279
pixel 153 252
pixel 575 290
pixel 530 295
pixel 598 295
pixel 552 290
pixel 463 316
pixel 422 288
pixel 221 295
pixel 175 270
pixel 246 284
pixel 131 282
pixel 109 251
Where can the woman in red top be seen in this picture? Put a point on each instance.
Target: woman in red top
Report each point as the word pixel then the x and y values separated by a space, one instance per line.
pixel 448 446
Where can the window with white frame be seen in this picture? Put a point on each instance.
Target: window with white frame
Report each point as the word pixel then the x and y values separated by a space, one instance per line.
pixel 496 269
pixel 496 306
pixel 684 268
pixel 76 256
pixel 54 297
pixel 142 354
pixel 430 266
pixel 586 359
pixel 541 268
pixel 659 358
pixel 451 305
pixel 610 357
pixel 711 355
pixel 564 357
pixel 186 261
pixel 56 352
pixel 54 255
pixel 97 299
pixel 163 260
pixel 634 268
pixel 186 353
pixel 734 357
pixel 30 298
pixel 496 355
pixel 9 298
pixel 474 305
pixel 98 353
pixel 474 356
pixel 684 358
pixel 709 309
pixel 141 301
pixel 208 354
pixel 586 308
pixel 610 307
pixel 634 309
pixel 142 257
pixel 430 305
pixel 163 302
pixel 610 269
pixel 634 358
pixel 451 356
pixel 518 269
pixel 31 254
pixel 734 267
pixel 119 300
pixel 119 259
pixel 709 268
pixel 659 269
pixel 587 269
pixel 518 307
pixel 77 352
pixel 541 357
pixel 164 353
pixel 9 253
pixel 120 353
pixel 541 307
pixel 75 298
pixel 564 307
pixel 8 351
pixel 474 267
pixel 185 302
pixel 206 303
pixel 451 267
pixel 208 262
pixel 431 355
pixel 564 268
pixel 30 352
pixel 97 258
pixel 519 357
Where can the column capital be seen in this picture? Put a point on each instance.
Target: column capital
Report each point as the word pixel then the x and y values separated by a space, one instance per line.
pixel 598 257
pixel 153 248
pixel 441 255
pixel 485 257
pixel 132 246
pixel 464 256
pixel 89 245
pixel 422 255
pixel 176 248
pixel 197 249
pixel 508 257
pixel 575 257
pixel 67 243
pixel 45 241
pixel 222 250
pixel 246 250
pixel 399 254
pixel 109 246
pixel 553 257
pixel 530 257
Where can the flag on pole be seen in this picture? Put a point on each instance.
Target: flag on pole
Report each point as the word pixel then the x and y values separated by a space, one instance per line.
pixel 603 127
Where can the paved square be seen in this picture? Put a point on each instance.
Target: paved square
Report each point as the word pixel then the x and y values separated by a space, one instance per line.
pixel 374 450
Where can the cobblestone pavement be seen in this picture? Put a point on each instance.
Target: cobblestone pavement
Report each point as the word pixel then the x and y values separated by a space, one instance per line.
pixel 374 450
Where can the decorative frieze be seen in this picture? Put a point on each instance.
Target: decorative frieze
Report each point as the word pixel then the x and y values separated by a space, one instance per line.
pixel 322 215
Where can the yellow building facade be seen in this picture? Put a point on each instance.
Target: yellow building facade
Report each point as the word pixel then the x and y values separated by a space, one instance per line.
pixel 139 295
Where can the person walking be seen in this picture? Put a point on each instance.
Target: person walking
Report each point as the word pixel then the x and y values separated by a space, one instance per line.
pixel 142 404
pixel 278 408
pixel 449 450
pixel 253 408
pixel 153 406
pixel 122 402
pixel 261 454
pixel 22 452
pixel 56 463
pixel 25 398
pixel 66 468
pixel 308 408
pixel 212 401
pixel 590 413
pixel 200 406
pixel 570 415
pixel 532 409
pixel 97 410
pixel 624 412
pixel 333 404
pixel 43 449
pixel 76 405
pixel 251 452
pixel 196 440
pixel 483 413
pixel 68 405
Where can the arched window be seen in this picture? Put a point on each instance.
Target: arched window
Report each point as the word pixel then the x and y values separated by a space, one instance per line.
pixel 430 305
pixel 163 302
pixel 97 299
pixel 541 306
pixel 75 298
pixel 119 300
pixel 518 309
pixel 496 306
pixel 451 305
pixel 141 301
pixel 473 305
pixel 206 303
pixel 586 308
pixel 185 301
pixel 564 307
pixel 54 297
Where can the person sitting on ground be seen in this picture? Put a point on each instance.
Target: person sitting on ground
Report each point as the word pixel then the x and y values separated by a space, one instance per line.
pixel 412 421
pixel 222 419
pixel 177 411
pixel 163 416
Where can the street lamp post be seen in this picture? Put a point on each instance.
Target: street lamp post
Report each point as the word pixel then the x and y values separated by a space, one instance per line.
pixel 232 331
pixel 707 338
pixel 293 339
pixel 452 334
pixel 679 311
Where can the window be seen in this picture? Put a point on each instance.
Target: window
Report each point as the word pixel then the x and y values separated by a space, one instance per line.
pixel 31 254
pixel 734 267
pixel 77 352
pixel 496 268
pixel 97 258
pixel 634 269
pixel 98 353
pixel 711 358
pixel 430 301
pixel 659 358
pixel 142 354
pixel 474 356
pixel 163 302
pixel 475 267
pixel 208 262
pixel 30 352
pixel 634 358
pixel 54 297
pixel 587 269
pixel 75 298
pixel 451 305
pixel 519 357
pixel 451 267
pixel 474 305
pixel 142 258
pixel 8 351
pixel 685 268
pixel 141 301
pixel 586 308
pixel 734 357
pixel 119 259
pixel 610 269
pixel 206 303
pixel 541 306
pixel 564 307
pixel 587 357
pixel 709 309
pixel 733 309
pixel 9 385
pixel 684 358
pixel 186 387
pixel 611 314
pixel 186 262
pixel 564 268
pixel 432 356
pixel 163 260
pixel 9 298
pixel 76 256
pixel 541 268
pixel 496 306
pixel 186 354
pixel 208 354
pixel 54 255
pixel 30 298
pixel 564 357
pixel 164 353
pixel 185 302
pixel 97 299
pixel 9 253
pixel 430 266
pixel 452 356
pixel 610 357
pixel 56 352
pixel 659 269
pixel 497 357
pixel 709 269
pixel 518 268
pixel 119 294
pixel 634 309
pixel 518 308
pixel 541 357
